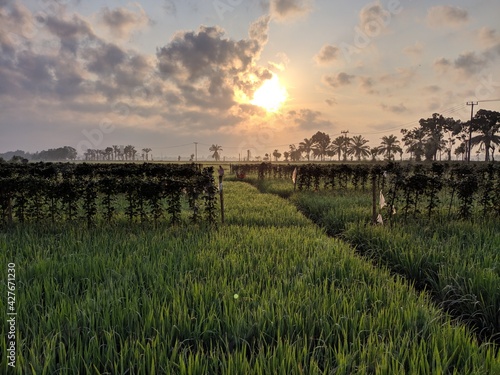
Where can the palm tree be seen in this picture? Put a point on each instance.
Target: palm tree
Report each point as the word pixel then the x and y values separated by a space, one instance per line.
pixel 295 153
pixel 487 123
pixel 146 151
pixel 108 152
pixel 321 145
pixel 358 147
pixel 276 154
pixel 389 146
pixel 215 149
pixel 306 146
pixel 337 146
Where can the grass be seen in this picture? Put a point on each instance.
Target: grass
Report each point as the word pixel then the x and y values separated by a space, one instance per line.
pixel 137 300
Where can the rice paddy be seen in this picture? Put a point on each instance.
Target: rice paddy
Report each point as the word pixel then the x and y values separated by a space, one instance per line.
pixel 269 292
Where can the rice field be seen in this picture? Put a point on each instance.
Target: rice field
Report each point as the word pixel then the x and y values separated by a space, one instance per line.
pixel 456 261
pixel 267 293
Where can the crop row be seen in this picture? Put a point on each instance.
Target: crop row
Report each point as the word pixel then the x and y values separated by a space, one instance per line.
pixel 456 261
pixel 269 293
pixel 460 190
pixel 59 192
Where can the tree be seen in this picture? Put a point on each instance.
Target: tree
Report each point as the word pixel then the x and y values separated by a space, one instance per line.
pixel 129 152
pixel 461 150
pixel 276 154
pixel 295 153
pixel 358 147
pixel 389 146
pixel 320 145
pixel 146 151
pixel 191 158
pixel 286 155
pixel 306 146
pixel 487 123
pixel 215 148
pixel 109 153
pixel 414 140
pixel 337 146
pixel 434 129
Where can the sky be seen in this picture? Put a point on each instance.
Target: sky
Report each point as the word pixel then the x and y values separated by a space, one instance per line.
pixel 165 74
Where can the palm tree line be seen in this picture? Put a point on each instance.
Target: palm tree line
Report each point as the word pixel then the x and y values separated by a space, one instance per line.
pixel 117 153
pixel 435 138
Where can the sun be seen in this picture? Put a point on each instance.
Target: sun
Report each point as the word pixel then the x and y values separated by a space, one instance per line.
pixel 271 95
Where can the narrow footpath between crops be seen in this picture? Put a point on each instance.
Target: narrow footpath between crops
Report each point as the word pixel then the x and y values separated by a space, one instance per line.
pixel 468 292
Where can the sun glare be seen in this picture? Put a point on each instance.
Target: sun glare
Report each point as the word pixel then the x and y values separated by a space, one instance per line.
pixel 271 95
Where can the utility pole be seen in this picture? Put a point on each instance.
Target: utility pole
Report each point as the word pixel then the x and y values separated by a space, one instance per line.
pixel 469 146
pixel 345 132
pixel 196 151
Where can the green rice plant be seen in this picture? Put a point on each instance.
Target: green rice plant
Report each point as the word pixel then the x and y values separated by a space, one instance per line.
pixel 267 293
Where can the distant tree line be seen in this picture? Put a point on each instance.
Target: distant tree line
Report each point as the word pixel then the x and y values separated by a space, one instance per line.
pixel 65 153
pixel 435 138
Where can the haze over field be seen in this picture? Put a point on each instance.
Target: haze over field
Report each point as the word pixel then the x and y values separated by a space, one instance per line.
pixel 247 75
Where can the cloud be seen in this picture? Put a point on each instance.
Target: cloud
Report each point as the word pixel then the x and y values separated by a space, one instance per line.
pixel 331 101
pixel 259 30
pixel 415 50
pixel 373 19
pixel 284 10
pixel 70 32
pixel 170 7
pixel 327 55
pixel 431 89
pixel 488 37
pixel 341 79
pixel 402 78
pixel 367 84
pixel 442 65
pixel 400 108
pixel 121 22
pixel 308 119
pixel 470 63
pixel 446 16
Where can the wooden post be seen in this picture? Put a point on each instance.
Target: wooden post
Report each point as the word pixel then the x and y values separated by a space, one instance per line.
pixel 221 193
pixel 374 199
pixel 294 178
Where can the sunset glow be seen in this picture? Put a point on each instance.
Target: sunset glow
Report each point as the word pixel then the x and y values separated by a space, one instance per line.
pixel 271 95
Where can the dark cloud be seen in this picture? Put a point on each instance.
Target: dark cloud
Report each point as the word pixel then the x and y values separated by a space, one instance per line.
pixel 367 84
pixel 327 55
pixel 330 101
pixel 289 9
pixel 447 16
pixel 70 32
pixel 206 66
pixel 121 22
pixel 432 89
pixel 442 65
pixel 400 108
pixel 105 59
pixel 259 30
pixel 308 119
pixel 341 79
pixel 470 63
pixel 170 7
